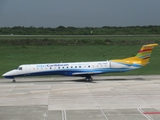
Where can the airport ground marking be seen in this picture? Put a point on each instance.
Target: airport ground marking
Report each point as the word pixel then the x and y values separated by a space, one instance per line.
pixel 145 115
pixel 64 116
pixel 45 116
pixel 98 104
pixel 152 113
pixel 103 112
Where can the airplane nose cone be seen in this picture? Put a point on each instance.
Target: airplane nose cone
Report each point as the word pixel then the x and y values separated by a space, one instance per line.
pixel 4 75
pixel 8 74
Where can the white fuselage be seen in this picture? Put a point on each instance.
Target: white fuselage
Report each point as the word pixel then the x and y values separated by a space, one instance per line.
pixel 69 69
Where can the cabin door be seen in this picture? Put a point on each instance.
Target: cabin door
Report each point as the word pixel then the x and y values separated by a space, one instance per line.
pixel 27 70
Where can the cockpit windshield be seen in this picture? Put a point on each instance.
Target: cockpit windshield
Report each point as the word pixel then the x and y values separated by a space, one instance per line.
pixel 19 68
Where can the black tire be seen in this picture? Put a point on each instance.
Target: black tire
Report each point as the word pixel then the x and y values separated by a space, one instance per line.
pixel 88 79
pixel 13 81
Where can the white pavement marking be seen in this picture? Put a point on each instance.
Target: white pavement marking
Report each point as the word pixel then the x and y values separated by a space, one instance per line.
pixel 103 113
pixel 45 116
pixel 141 111
pixel 64 116
pixel 98 104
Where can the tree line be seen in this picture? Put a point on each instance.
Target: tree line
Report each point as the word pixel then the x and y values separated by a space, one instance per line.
pixel 61 30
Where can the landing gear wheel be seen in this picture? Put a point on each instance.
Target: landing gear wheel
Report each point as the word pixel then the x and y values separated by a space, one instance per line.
pixel 89 79
pixel 13 81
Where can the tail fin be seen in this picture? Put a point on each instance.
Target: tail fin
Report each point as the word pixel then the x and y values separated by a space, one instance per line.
pixel 145 53
pixel 141 59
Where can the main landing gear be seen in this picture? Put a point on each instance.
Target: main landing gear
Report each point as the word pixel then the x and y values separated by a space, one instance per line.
pixel 13 81
pixel 88 79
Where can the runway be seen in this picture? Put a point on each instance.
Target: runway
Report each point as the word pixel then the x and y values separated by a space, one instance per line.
pixel 72 98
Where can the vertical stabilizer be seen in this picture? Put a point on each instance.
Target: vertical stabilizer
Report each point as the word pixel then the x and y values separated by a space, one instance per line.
pixel 141 59
pixel 145 53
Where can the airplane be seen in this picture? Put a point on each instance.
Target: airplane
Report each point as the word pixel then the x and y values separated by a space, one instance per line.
pixel 84 69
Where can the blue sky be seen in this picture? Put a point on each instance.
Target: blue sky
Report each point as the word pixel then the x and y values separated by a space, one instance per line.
pixel 79 13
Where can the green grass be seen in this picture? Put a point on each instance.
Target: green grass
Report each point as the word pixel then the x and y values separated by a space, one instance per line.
pixel 51 40
pixel 13 56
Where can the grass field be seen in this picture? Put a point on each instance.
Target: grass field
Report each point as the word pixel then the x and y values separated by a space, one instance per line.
pixel 68 40
pixel 13 56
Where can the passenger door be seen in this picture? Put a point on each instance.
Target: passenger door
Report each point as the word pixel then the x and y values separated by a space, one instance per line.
pixel 27 70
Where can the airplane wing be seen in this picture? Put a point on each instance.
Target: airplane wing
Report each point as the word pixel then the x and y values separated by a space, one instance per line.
pixel 86 73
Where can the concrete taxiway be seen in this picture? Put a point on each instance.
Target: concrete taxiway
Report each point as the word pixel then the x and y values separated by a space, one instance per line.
pixel 71 98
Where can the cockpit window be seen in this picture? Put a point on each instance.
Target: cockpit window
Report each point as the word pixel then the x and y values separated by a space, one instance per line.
pixel 20 68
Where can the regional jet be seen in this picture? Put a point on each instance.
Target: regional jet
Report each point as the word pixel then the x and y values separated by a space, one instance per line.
pixel 84 69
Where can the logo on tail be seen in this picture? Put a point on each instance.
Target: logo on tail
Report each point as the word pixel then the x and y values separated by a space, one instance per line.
pixel 145 51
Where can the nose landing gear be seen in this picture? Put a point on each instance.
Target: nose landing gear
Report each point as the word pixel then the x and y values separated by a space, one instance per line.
pixel 13 81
